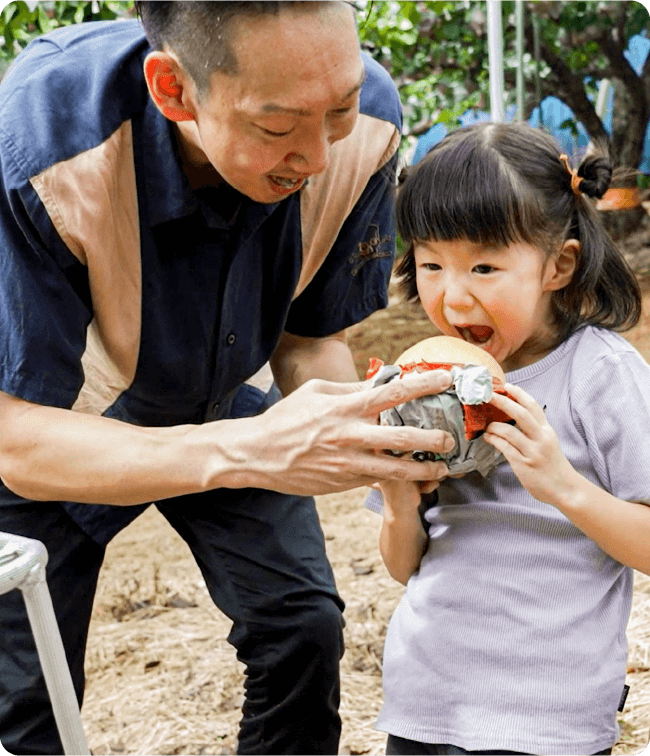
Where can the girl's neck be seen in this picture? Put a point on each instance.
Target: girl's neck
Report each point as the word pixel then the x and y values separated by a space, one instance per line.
pixel 533 350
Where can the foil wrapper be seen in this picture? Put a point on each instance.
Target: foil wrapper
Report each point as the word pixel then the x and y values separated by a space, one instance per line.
pixel 472 385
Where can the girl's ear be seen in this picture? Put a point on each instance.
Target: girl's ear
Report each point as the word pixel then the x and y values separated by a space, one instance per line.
pixel 164 79
pixel 561 266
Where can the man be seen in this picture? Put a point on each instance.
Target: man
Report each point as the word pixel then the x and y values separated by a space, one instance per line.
pixel 175 215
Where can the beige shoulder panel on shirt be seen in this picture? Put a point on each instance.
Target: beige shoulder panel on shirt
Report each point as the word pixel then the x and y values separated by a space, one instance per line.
pixel 328 198
pixel 92 202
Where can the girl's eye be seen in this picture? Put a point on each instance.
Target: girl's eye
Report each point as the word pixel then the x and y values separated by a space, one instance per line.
pixel 431 266
pixel 483 269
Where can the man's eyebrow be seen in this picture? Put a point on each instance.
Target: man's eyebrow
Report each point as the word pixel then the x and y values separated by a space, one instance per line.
pixel 271 107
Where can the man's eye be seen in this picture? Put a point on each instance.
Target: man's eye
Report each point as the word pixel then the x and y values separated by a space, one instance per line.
pixel 270 133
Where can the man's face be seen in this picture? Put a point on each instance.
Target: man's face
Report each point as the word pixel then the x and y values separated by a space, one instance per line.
pixel 269 127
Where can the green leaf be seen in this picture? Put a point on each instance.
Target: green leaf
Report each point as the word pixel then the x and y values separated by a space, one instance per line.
pixel 45 23
pixel 451 31
pixel 8 13
pixel 411 12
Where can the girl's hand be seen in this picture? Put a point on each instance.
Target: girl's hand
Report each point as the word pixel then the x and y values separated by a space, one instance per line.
pixel 531 447
pixel 403 539
pixel 402 498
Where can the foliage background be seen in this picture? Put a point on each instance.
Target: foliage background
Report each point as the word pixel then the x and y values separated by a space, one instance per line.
pixel 20 22
pixel 436 52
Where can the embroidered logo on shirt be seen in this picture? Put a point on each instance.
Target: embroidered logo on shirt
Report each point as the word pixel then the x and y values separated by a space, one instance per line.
pixel 369 250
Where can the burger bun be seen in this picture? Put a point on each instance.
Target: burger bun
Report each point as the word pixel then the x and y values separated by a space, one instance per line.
pixel 450 350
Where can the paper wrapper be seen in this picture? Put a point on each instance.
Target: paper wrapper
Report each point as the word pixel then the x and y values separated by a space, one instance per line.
pixel 445 411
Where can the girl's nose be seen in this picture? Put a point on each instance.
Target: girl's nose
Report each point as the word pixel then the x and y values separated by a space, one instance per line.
pixel 456 295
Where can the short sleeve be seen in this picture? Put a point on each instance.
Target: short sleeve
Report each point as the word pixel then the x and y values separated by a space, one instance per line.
pixel 44 296
pixel 611 408
pixel 353 280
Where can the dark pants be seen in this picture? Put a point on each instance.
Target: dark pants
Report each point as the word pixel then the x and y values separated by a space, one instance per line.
pixel 403 747
pixel 263 559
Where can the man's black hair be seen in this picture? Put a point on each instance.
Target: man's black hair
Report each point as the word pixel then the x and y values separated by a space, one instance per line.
pixel 199 32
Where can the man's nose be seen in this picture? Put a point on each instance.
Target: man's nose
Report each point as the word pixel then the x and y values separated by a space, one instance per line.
pixel 311 154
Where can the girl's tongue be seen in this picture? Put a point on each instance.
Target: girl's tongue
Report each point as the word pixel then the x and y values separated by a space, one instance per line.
pixel 476 334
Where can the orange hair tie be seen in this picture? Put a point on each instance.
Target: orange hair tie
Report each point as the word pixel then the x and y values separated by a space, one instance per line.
pixel 575 179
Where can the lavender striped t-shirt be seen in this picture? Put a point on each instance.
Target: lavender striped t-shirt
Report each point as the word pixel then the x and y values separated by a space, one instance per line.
pixel 512 633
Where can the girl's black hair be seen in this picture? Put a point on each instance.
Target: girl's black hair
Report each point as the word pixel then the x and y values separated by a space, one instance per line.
pixel 500 184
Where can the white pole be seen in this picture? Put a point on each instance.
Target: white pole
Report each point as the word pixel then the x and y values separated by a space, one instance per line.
pixel 495 49
pixel 519 21
pixel 54 664
pixel 601 100
pixel 22 566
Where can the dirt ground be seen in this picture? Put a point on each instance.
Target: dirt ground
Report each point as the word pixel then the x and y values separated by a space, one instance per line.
pixel 163 680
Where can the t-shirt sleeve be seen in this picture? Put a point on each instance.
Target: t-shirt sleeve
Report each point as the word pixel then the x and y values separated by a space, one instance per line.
pixel 611 407
pixel 44 297
pixel 353 280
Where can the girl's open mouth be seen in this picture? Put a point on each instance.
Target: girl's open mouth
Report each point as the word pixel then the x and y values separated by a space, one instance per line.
pixel 476 334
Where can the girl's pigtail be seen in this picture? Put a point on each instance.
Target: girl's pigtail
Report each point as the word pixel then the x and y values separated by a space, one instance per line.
pixel 596 174
pixel 609 291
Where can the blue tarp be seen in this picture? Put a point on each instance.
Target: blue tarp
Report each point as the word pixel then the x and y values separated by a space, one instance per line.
pixel 554 114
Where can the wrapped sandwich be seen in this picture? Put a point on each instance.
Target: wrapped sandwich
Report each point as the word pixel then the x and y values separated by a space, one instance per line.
pixel 463 410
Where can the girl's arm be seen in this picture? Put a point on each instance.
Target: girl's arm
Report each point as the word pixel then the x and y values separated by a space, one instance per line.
pixel 402 540
pixel 621 528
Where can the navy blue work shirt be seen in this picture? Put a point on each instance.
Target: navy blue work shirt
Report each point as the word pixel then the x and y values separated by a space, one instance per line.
pixel 123 292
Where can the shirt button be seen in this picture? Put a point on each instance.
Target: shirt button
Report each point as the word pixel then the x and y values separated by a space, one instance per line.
pixel 215 406
pixel 230 339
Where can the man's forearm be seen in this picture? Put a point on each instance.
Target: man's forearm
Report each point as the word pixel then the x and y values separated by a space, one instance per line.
pixel 299 359
pixel 49 453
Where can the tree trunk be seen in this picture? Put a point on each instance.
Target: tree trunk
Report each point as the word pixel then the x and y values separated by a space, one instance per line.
pixel 629 124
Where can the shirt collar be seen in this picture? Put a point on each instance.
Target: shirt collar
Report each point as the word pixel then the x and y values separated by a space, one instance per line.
pixel 167 192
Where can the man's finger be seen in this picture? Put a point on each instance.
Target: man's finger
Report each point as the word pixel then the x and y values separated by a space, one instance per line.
pixel 405 389
pixel 404 438
pixel 334 388
pixel 392 468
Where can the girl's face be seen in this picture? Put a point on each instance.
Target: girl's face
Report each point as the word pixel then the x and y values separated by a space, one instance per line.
pixel 496 297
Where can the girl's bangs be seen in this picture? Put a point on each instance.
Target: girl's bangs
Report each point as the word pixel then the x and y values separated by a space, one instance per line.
pixel 452 196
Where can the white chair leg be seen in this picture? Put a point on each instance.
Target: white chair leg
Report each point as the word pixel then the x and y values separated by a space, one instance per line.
pixel 22 565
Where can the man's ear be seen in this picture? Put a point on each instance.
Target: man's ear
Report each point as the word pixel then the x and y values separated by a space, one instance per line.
pixel 562 265
pixel 164 76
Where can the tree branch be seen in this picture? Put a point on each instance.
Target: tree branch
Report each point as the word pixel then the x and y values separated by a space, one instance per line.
pixel 569 88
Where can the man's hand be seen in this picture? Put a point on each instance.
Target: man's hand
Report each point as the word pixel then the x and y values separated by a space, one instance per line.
pixel 322 438
pixel 325 437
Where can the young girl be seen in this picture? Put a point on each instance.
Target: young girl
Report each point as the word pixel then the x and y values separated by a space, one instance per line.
pixel 510 636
